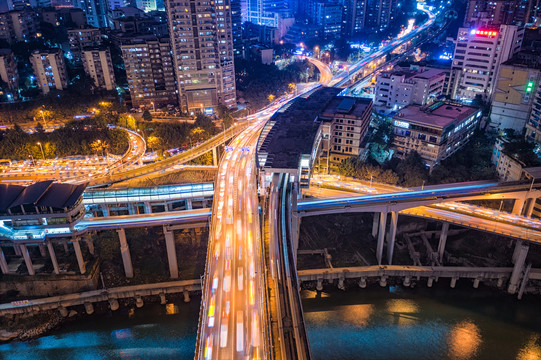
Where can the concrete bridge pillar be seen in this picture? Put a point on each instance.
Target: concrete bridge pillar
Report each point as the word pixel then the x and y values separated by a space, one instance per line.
pixel 63 311
pixel 214 157
pixel 500 282
pixel 476 282
pixel 163 300
pixel 529 207
pixel 17 250
pixel 186 296
pixel 105 210
pixel 42 250
pixel 362 283
pixel 430 282
pixel 125 252
pixel 341 285
pixel 391 236
pixel 407 281
pixel 3 262
pixel 189 204
pixel 381 235
pixel 113 304
pixel 375 225
pixel 171 252
pixel 90 244
pixel 89 308
pixel 79 255
pixel 52 254
pixel 443 241
pixel 453 282
pixel 383 281
pixel 66 247
pixel 139 302
pixel 519 266
pixel 27 260
pixel 516 251
pixel 319 285
pixel 148 208
pixel 517 206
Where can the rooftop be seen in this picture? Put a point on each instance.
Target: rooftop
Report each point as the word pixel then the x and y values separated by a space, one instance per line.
pixel 354 107
pixel 440 114
pixel 43 193
pixel 295 129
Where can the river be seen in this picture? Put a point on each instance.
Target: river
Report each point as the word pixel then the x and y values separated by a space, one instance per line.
pixel 373 323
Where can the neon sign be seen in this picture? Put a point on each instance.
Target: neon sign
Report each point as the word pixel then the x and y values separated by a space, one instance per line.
pixel 483 32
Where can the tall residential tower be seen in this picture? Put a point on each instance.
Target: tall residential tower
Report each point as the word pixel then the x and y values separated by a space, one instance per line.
pixel 202 47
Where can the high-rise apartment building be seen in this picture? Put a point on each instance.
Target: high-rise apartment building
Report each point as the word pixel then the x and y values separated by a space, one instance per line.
pixel 264 12
pixel 477 58
pixel 497 12
pixel 397 89
pixel 379 13
pixel 80 38
pixel 95 10
pixel 514 95
pixel 9 74
pixel 236 27
pixel 202 46
pixel 50 69
pixel 328 16
pixel 147 5
pixel 354 17
pixel 149 69
pixel 99 66
pixel 19 25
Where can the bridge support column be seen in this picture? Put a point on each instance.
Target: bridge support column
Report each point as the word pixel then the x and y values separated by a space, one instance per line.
pixel 89 308
pixel 529 207
pixel 430 282
pixel 17 250
pixel 476 282
pixel 214 157
pixel 148 208
pixel 453 282
pixel 27 260
pixel 517 206
pixel 3 262
pixel 42 250
pixel 125 252
pixel 52 254
pixel 90 244
pixel 79 255
pixel 443 240
pixel 189 204
pixel 519 267
pixel 362 283
pixel 171 252
pixel 516 251
pixel 66 247
pixel 407 281
pixel 319 285
pixel 391 236
pixel 105 210
pixel 113 304
pixel 186 294
pixel 375 225
pixel 381 235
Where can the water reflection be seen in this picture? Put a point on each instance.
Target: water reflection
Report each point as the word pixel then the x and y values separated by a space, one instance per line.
pixel 403 311
pixel 531 351
pixel 171 309
pixel 464 340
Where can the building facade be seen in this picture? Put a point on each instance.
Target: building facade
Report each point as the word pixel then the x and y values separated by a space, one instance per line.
pixel 479 52
pixel 397 89
pixel 50 69
pixel 435 132
pixel 95 10
pixel 202 48
pixel 99 66
pixel 19 25
pixel 80 38
pixel 9 74
pixel 149 69
pixel 514 95
pixel 343 123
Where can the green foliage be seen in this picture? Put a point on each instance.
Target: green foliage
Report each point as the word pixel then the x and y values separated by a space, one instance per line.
pixel 412 171
pixel 72 139
pixel 353 167
pixel 255 81
pixel 523 151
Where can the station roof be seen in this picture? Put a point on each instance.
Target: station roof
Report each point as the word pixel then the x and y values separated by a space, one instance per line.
pixel 43 193
pixel 295 129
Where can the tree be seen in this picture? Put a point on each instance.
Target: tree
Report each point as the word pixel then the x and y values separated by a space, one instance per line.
pixel 147 116
pixel 412 171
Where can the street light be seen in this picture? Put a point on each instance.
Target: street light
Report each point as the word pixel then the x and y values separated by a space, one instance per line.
pixel 43 117
pixel 42 153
